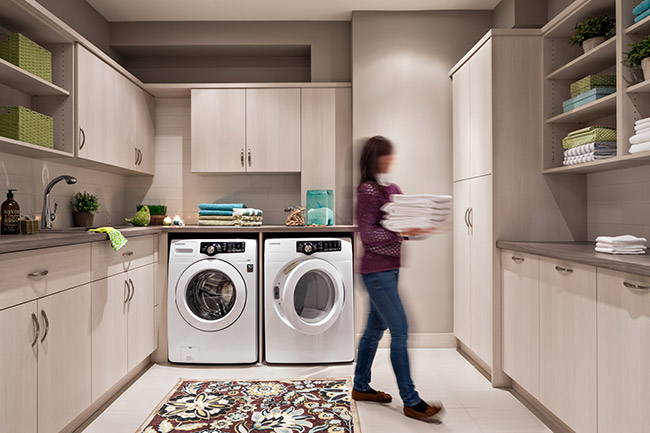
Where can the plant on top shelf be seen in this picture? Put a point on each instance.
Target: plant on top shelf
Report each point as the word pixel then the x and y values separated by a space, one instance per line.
pixel 85 205
pixel 594 31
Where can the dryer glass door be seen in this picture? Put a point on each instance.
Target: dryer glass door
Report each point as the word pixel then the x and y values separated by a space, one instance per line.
pixel 313 296
pixel 210 295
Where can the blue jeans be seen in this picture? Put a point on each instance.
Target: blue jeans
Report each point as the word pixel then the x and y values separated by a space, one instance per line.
pixel 386 311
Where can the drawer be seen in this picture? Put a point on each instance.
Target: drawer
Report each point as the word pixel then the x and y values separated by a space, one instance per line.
pixel 30 275
pixel 138 251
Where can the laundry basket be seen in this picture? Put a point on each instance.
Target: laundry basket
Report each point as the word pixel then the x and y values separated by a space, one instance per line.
pixel 23 124
pixel 26 54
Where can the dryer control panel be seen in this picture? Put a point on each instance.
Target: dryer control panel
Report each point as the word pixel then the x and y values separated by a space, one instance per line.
pixel 213 248
pixel 310 247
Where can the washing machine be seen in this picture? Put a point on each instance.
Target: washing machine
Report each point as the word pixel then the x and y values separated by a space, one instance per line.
pixel 212 302
pixel 308 308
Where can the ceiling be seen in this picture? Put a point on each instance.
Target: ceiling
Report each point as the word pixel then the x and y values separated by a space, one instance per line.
pixel 267 10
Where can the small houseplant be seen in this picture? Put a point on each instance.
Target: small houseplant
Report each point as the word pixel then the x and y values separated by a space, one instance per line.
pixel 85 205
pixel 158 213
pixel 639 55
pixel 593 31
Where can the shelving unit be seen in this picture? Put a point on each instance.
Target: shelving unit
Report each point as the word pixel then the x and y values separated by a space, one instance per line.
pixel 642 87
pixel 15 147
pixel 19 79
pixel 594 110
pixel 642 27
pixel 597 59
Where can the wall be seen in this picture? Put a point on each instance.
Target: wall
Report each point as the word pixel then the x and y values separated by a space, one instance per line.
pixel 401 89
pixel 177 187
pixel 554 7
pixel 510 14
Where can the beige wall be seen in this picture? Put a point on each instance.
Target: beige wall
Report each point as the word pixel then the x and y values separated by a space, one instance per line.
pixel 510 14
pixel 554 7
pixel 401 89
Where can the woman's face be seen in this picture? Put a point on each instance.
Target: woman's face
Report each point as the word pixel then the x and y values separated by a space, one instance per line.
pixel 385 163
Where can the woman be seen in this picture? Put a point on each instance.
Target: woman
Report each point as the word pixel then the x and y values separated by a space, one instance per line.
pixel 380 269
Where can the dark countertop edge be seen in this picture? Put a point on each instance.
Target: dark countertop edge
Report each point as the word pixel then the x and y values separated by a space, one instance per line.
pixel 582 252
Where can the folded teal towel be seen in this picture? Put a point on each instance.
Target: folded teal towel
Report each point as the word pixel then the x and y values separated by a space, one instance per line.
pixel 219 206
pixel 215 212
pixel 644 15
pixel 641 7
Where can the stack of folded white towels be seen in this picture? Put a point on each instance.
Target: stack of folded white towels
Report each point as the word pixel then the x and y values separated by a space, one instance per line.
pixel 640 141
pixel 423 211
pixel 626 244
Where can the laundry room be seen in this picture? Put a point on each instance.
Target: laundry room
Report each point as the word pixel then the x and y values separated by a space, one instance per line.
pixel 298 217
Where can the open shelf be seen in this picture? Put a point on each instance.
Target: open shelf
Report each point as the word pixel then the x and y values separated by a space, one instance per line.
pixel 601 57
pixel 614 163
pixel 591 111
pixel 15 147
pixel 563 25
pixel 642 26
pixel 17 78
pixel 642 87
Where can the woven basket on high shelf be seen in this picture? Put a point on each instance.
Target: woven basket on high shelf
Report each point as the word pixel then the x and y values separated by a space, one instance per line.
pixel 23 124
pixel 27 54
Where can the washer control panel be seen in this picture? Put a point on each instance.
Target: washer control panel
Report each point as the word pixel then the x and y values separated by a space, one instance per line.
pixel 213 248
pixel 310 247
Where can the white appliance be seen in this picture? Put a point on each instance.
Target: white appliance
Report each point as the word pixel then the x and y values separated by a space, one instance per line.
pixel 309 315
pixel 212 302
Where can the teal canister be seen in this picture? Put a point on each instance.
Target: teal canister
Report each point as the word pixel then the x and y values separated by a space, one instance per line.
pixel 320 207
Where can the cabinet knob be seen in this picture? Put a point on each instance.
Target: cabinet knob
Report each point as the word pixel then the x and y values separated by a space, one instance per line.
pixel 635 286
pixel 562 269
pixel 517 259
pixel 127 254
pixel 38 274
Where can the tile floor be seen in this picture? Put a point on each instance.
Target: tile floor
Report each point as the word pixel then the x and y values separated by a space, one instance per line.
pixel 473 406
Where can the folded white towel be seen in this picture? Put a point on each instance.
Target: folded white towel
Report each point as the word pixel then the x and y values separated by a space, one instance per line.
pixel 417 219
pixel 424 200
pixel 640 138
pixel 621 247
pixel 400 210
pixel 615 251
pixel 645 121
pixel 642 128
pixel 400 226
pixel 641 147
pixel 621 240
pixel 596 146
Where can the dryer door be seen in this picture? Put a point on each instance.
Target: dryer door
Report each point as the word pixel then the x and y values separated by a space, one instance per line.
pixel 210 295
pixel 313 295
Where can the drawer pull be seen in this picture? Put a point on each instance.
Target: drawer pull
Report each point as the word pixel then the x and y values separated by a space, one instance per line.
pixel 47 325
pixel 517 259
pixel 38 274
pixel 635 286
pixel 561 269
pixel 37 329
pixel 127 254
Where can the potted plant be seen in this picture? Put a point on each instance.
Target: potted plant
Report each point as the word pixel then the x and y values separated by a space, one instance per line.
pixel 85 205
pixel 593 31
pixel 158 213
pixel 639 55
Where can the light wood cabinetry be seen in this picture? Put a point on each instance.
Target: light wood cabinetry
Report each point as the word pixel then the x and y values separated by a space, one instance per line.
pixel 480 111
pixel 623 352
pixel 146 130
pixel 462 261
pixel 141 338
pixel 568 342
pixel 139 251
pixel 461 123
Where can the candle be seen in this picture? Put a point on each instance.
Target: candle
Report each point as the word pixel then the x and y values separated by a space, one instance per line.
pixel 167 221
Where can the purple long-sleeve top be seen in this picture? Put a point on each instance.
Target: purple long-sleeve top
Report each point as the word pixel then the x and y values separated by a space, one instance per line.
pixel 382 248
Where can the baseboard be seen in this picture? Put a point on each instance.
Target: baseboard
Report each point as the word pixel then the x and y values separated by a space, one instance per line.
pixel 420 341
pixel 539 410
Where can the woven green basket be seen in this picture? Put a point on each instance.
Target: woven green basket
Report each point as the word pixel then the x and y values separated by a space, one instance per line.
pixel 27 54
pixel 591 82
pixel 23 124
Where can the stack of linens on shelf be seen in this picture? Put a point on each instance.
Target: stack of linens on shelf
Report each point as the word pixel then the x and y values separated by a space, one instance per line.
pixel 232 214
pixel 248 217
pixel 626 244
pixel 589 89
pixel 423 211
pixel 641 11
pixel 589 144
pixel 640 141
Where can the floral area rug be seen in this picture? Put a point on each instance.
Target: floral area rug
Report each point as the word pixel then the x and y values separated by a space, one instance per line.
pixel 265 406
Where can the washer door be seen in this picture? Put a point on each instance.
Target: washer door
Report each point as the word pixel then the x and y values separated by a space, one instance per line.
pixel 312 295
pixel 210 295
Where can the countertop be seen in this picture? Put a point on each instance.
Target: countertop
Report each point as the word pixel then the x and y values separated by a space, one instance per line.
pixel 582 252
pixel 71 236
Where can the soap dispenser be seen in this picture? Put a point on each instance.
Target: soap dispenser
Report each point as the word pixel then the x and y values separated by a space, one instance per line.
pixel 10 213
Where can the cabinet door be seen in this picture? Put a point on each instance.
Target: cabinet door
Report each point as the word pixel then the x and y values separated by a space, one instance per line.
pixel 461 122
pixel 462 261
pixel 141 338
pixel 18 368
pixel 273 130
pixel 125 123
pixel 568 342
pixel 482 253
pixel 109 332
pixel 623 352
pixel 64 389
pixel 480 111
pixel 146 130
pixel 520 280
pixel 218 130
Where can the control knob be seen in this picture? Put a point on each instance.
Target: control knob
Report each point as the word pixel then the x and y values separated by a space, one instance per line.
pixel 308 248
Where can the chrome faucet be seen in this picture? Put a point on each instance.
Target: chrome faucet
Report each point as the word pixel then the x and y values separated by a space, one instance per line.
pixel 48 216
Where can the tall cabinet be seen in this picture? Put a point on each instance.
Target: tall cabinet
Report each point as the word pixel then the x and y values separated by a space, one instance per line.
pixel 499 190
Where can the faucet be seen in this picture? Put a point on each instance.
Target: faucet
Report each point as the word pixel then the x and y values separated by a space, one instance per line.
pixel 48 216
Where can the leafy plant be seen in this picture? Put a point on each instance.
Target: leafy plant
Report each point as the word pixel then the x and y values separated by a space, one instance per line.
pixel 592 28
pixel 638 52
pixel 155 209
pixel 85 202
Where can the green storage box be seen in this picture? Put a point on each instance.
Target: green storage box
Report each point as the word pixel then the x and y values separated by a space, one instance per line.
pixel 591 82
pixel 23 124
pixel 26 54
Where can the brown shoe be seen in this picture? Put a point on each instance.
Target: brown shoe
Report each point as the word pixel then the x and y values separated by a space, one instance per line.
pixel 433 410
pixel 379 397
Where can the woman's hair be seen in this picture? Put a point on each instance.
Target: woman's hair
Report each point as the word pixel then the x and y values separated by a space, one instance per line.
pixel 374 148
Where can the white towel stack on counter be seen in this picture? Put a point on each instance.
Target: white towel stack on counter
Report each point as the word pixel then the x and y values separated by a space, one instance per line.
pixel 640 141
pixel 423 211
pixel 626 244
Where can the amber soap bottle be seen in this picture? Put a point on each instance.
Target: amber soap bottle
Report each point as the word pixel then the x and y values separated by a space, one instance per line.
pixel 10 213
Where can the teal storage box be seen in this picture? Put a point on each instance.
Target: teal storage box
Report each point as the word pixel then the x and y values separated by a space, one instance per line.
pixel 320 207
pixel 587 97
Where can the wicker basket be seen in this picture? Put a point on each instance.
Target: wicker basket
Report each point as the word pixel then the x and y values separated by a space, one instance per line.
pixel 27 54
pixel 23 124
pixel 591 82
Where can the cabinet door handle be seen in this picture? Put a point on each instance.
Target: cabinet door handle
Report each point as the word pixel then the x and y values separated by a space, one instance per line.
pixel 249 157
pixel 38 274
pixel 242 157
pixel 470 217
pixel 127 291
pixel 517 259
pixel 466 220
pixel 132 289
pixel 83 139
pixel 562 269
pixel 37 329
pixel 635 286
pixel 127 254
pixel 141 157
pixel 47 325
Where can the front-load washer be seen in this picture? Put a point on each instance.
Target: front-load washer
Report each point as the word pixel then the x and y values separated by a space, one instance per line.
pixel 308 308
pixel 212 302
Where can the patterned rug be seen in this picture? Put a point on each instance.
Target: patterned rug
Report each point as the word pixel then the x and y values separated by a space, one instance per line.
pixel 246 406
